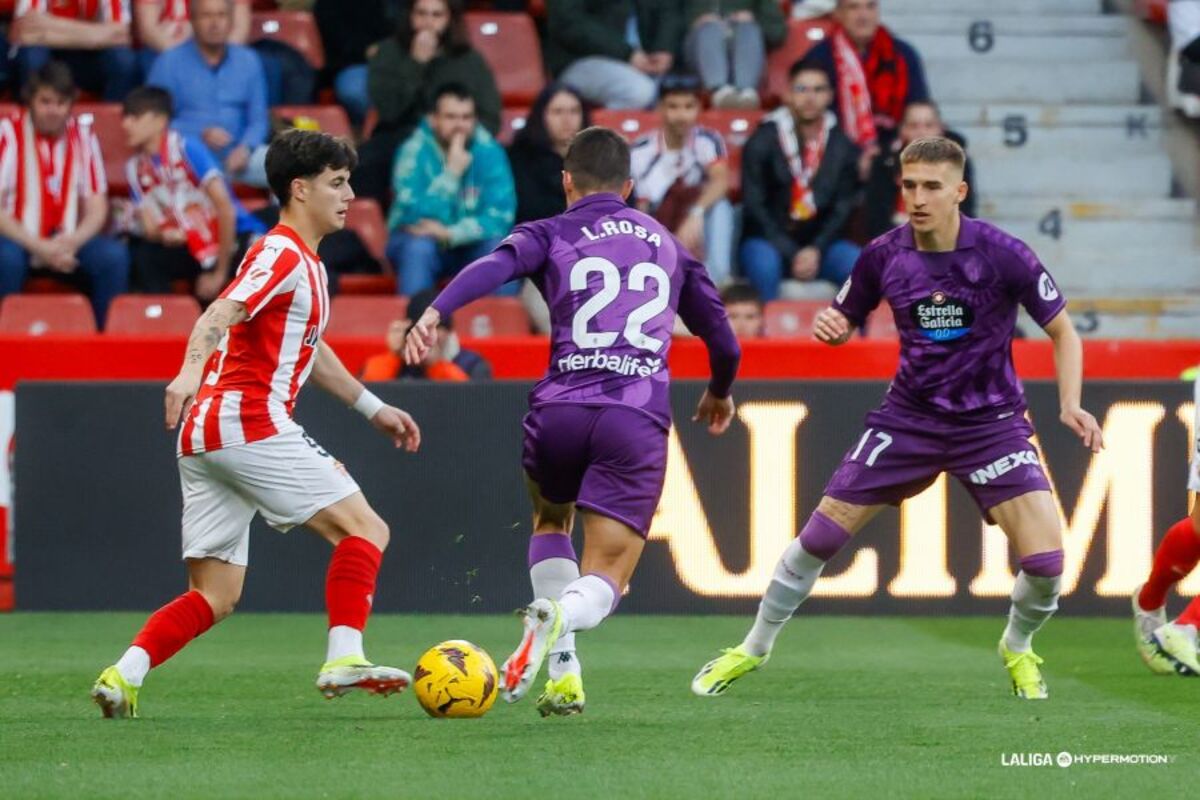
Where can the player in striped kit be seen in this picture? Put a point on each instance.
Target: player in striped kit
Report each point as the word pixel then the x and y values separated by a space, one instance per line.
pixel 246 360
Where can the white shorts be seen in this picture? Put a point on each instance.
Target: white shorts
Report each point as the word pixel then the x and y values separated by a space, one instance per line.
pixel 1194 464
pixel 287 478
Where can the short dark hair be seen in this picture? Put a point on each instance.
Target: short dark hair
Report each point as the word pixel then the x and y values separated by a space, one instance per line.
pixel 741 293
pixel 934 150
pixel 305 154
pixel 53 75
pixel 806 64
pixel 148 100
pixel 453 89
pixel 597 159
pixel 680 83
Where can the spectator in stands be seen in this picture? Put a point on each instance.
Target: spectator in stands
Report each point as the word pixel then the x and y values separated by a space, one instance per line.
pixel 429 50
pixel 351 33
pixel 799 187
pixel 874 74
pixel 681 177
pixel 882 206
pixel 727 45
pixel 613 51
pixel 163 24
pixel 536 154
pixel 92 38
pixel 744 307
pixel 187 225
pixel 446 361
pixel 454 195
pixel 53 195
pixel 220 92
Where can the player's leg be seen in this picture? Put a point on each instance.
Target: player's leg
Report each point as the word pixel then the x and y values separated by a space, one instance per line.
pixel 822 537
pixel 1169 647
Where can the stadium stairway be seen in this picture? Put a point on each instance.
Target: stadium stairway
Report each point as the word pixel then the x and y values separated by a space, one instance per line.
pixel 1068 155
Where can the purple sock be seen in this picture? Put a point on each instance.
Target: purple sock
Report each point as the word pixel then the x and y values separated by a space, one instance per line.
pixel 543 546
pixel 822 537
pixel 1043 565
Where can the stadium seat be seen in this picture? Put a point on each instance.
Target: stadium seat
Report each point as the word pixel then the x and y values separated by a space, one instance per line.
pixel 1152 10
pixel 365 218
pixel 152 315
pixel 792 319
pixel 509 43
pixel 881 324
pixel 359 284
pixel 364 316
pixel 296 29
pixel 629 123
pixel 802 36
pixel 492 316
pixel 512 120
pixel 105 119
pixel 37 314
pixel 329 119
pixel 735 125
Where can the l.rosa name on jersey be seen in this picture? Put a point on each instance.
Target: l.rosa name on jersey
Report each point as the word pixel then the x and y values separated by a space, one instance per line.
pixel 622 365
pixel 620 227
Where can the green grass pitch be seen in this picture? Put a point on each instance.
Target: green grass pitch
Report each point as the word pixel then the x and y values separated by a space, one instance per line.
pixel 848 707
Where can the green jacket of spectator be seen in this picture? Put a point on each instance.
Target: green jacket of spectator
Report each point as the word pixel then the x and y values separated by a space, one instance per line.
pixel 767 13
pixel 579 28
pixel 402 89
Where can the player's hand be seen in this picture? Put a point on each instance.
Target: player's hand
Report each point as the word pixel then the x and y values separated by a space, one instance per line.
pixel 1085 427
pixel 421 336
pixel 399 427
pixel 716 412
pixel 832 327
pixel 180 393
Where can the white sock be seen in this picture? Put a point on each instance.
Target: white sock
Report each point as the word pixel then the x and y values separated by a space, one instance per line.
pixel 134 665
pixel 550 577
pixel 344 641
pixel 1034 599
pixel 793 581
pixel 586 602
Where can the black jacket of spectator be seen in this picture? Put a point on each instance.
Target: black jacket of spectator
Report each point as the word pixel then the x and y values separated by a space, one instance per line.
pixel 918 88
pixel 883 188
pixel 348 29
pixel 536 165
pixel 767 192
pixel 579 28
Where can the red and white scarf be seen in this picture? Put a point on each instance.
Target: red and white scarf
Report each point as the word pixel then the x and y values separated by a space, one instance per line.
pixel 172 194
pixel 48 184
pixel 872 90
pixel 803 161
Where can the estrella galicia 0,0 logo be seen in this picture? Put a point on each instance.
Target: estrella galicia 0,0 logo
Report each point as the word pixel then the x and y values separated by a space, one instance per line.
pixel 942 318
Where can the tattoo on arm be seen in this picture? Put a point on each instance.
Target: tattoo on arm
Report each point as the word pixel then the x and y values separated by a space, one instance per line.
pixel 206 336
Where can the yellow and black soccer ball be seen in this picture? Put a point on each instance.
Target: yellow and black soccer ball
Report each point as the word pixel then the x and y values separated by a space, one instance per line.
pixel 456 679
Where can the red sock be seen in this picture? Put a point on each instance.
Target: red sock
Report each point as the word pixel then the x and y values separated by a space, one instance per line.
pixel 1191 614
pixel 174 625
pixel 1176 556
pixel 350 582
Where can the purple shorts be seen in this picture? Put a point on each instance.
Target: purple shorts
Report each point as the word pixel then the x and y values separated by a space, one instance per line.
pixel 607 459
pixel 900 455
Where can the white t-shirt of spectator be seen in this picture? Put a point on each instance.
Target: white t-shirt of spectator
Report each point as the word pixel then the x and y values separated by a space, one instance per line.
pixel 656 168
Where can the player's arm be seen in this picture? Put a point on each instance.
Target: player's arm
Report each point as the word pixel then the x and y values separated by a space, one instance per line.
pixel 1068 364
pixel 701 309
pixel 331 375
pixel 205 338
pixel 857 298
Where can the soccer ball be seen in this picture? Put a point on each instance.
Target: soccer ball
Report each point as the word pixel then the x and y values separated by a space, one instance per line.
pixel 455 679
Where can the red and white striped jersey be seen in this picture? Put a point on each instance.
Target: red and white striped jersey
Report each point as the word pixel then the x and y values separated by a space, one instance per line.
pixel 86 10
pixel 43 181
pixel 250 384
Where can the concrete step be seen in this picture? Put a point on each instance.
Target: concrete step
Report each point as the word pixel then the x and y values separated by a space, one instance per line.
pixel 982 8
pixel 1128 271
pixel 1172 316
pixel 1044 82
pixel 1016 140
pixel 1137 176
pixel 995 207
pixel 1032 48
pixel 1128 116
pixel 1041 26
pixel 1153 235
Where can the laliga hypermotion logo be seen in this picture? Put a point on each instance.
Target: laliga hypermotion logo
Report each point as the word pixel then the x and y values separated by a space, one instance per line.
pixel 941 317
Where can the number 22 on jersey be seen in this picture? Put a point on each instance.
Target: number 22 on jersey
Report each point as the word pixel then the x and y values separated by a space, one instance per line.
pixel 610 290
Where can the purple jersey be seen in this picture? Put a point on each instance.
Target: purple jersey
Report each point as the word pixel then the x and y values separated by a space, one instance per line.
pixel 614 280
pixel 956 313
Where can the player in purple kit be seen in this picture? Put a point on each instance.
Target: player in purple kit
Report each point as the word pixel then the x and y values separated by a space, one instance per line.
pixel 955 405
pixel 596 434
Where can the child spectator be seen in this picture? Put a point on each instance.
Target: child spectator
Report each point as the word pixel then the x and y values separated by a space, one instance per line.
pixel 446 360
pixel 744 307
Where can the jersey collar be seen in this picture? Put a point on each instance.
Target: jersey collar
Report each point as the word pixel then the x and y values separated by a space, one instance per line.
pixel 593 199
pixel 968 232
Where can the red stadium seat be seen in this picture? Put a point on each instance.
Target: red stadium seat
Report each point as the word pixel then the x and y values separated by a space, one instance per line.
pixel 365 218
pixel 37 314
pixel 364 316
pixel 105 119
pixel 735 125
pixel 509 43
pixel 152 315
pixel 492 316
pixel 792 319
pixel 802 36
pixel 512 120
pixel 297 29
pixel 630 124
pixel 329 119
pixel 264 5
pixel 366 284
pixel 881 324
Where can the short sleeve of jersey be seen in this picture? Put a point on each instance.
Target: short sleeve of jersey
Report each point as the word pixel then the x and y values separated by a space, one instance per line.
pixel 530 243
pixel 203 165
pixel 269 269
pixel 861 292
pixel 1031 283
pixel 710 147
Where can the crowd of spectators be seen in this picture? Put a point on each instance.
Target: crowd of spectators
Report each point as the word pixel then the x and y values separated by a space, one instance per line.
pixel 818 173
